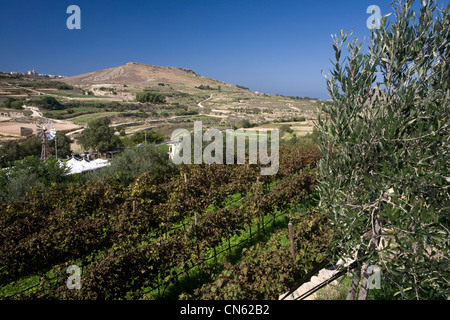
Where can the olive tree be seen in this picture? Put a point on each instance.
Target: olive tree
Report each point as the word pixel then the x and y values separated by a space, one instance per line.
pixel 384 172
pixel 99 136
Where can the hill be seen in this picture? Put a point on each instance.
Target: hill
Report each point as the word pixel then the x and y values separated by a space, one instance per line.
pixel 144 75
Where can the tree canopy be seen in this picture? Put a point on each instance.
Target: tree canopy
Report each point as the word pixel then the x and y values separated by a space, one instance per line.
pixel 133 162
pixel 99 136
pixel 48 103
pixel 32 146
pixel 384 142
pixel 29 174
pixel 153 97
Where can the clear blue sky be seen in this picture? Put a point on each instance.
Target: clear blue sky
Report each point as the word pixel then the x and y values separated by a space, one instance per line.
pixel 271 46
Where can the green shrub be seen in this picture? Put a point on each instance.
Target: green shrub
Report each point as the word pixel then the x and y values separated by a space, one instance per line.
pixel 48 103
pixel 28 174
pixel 99 136
pixel 12 103
pixel 153 97
pixel 131 163
pixel 64 86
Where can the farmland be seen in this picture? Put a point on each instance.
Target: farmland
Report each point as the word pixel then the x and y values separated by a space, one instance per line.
pixel 167 234
pixel 188 97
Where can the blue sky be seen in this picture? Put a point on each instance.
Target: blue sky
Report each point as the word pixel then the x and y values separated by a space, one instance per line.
pixel 269 46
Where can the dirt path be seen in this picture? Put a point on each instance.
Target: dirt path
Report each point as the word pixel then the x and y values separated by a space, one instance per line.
pixel 35 111
pixel 293 108
pixel 13 128
pixel 200 103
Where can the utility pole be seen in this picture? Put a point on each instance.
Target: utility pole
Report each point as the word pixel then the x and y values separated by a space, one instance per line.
pixel 56 148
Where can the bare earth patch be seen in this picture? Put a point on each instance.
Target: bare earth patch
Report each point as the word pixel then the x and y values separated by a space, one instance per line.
pixel 13 128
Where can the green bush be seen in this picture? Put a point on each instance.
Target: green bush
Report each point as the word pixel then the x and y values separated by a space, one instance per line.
pixel 131 163
pixel 64 86
pixel 12 103
pixel 13 150
pixel 142 137
pixel 28 174
pixel 153 97
pixel 99 136
pixel 48 103
pixel 242 87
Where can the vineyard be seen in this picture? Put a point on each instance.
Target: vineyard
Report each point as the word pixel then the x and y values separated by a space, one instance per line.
pixel 197 232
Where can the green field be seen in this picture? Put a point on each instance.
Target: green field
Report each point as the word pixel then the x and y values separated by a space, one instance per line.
pixel 73 95
pixel 84 119
pixel 77 110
